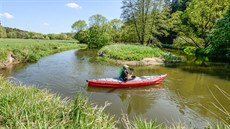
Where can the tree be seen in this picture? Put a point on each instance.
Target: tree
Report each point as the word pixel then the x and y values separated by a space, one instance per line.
pixel 11 35
pixel 200 17
pixel 37 36
pixel 81 36
pixel 52 36
pixel 186 35
pixel 161 24
pixel 137 11
pixel 97 20
pixel 79 25
pixel 2 32
pixel 115 29
pixel 179 5
pixel 116 24
pixel 220 35
pixel 147 17
pixel 62 36
pixel 128 33
pixel 97 37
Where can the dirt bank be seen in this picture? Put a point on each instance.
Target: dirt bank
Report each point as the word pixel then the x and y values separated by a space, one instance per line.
pixel 11 60
pixel 145 61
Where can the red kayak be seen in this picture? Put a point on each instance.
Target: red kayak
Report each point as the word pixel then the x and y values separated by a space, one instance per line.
pixel 118 83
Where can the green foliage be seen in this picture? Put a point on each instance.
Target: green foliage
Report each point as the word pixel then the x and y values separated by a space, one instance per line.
pixel 3 54
pixel 6 32
pixel 203 51
pixel 28 107
pixel 143 124
pixel 115 29
pixel 97 20
pixel 130 52
pixel 116 25
pixel 188 40
pixel 128 34
pixel 199 18
pixel 36 36
pixel 81 36
pixel 2 32
pixel 167 46
pixel 97 37
pixel 220 35
pixel 62 36
pixel 171 58
pixel 149 19
pixel 190 50
pixel 179 5
pixel 11 35
pixel 79 25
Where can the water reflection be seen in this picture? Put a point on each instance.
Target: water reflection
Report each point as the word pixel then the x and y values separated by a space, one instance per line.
pixel 138 100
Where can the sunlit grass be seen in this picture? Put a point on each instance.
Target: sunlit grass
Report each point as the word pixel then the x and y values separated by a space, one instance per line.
pixel 130 52
pixel 28 107
pixel 31 50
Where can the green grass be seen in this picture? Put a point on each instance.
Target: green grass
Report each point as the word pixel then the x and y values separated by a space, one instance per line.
pixel 28 107
pixel 31 50
pixel 130 52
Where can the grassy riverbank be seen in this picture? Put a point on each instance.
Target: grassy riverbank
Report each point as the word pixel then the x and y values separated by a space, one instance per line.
pixel 30 50
pixel 28 107
pixel 130 52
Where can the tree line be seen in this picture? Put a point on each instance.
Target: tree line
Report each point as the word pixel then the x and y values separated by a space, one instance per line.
pixel 201 27
pixel 177 23
pixel 7 32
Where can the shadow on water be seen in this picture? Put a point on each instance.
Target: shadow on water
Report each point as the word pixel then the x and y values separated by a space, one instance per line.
pixel 201 64
pixel 137 100
pixel 221 70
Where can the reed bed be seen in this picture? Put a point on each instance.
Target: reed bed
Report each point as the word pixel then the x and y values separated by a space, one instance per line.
pixel 28 107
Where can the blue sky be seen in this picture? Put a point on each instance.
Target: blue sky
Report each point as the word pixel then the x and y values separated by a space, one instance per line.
pixel 54 16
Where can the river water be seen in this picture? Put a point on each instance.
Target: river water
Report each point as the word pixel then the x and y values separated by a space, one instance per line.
pixel 191 94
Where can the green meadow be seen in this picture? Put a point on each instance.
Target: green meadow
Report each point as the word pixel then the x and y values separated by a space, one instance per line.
pixel 30 50
pixel 130 52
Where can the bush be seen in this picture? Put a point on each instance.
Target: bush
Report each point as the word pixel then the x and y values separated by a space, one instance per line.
pixel 98 37
pixel 81 36
pixel 190 50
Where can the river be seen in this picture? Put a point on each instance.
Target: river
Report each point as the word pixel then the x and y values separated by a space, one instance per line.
pixel 190 94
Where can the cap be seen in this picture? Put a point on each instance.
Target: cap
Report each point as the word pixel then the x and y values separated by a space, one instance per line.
pixel 125 66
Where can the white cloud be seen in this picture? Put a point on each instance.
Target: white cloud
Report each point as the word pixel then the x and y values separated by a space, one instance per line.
pixel 6 15
pixel 72 5
pixel 46 24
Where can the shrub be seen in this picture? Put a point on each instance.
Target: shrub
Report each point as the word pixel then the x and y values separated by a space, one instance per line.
pixel 81 36
pixel 98 37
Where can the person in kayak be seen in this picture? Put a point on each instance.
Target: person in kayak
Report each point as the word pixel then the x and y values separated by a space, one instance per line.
pixel 124 75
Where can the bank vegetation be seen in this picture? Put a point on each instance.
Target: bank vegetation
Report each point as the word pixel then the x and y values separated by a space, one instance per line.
pixel 13 51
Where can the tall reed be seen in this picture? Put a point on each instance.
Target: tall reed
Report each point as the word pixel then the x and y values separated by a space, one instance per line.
pixel 28 107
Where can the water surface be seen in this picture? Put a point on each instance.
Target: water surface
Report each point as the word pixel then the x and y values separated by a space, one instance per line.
pixel 188 94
